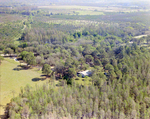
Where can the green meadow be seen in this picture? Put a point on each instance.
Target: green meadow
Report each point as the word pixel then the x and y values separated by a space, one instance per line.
pixel 12 80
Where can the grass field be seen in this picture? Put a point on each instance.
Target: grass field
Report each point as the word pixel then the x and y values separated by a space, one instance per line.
pixel 11 80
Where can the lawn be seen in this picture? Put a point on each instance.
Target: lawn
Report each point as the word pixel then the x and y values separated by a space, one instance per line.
pixel 11 80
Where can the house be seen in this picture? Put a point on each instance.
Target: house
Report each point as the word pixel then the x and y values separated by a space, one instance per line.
pixel 131 42
pixel 85 73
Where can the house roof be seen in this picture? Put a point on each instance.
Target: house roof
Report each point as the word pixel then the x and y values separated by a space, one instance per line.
pixel 85 73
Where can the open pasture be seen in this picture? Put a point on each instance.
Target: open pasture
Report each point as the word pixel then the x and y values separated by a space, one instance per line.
pixel 12 80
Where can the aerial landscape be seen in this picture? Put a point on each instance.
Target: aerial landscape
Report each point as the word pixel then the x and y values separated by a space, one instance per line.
pixel 74 59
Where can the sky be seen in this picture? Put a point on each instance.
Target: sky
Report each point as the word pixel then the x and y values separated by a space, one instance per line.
pixel 77 1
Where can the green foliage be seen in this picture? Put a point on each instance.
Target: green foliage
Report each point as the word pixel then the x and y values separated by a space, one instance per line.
pixel 109 67
pixel 46 69
pixel 30 59
pixel 120 70
pixel 71 72
pixel 23 54
pixel 8 51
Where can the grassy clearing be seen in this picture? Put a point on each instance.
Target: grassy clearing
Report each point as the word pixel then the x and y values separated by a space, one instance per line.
pixel 11 80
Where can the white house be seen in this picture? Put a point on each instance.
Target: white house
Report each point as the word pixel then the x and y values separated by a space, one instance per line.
pixel 85 73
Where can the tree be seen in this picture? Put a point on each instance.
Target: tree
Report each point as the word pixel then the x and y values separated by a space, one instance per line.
pixel 2 47
pixel 39 60
pixel 23 54
pixel 75 35
pixel 79 34
pixel 8 51
pixel 30 59
pixel 23 45
pixel 97 62
pixel 71 72
pixel 88 58
pixel 85 33
pixel 109 67
pixel 88 50
pixel 46 69
pixel 81 61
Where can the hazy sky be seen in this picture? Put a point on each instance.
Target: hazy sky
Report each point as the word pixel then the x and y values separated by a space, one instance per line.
pixel 78 1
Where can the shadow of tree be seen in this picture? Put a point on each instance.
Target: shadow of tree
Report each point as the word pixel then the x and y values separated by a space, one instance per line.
pixel 3 117
pixel 38 79
pixel 17 69
pixel 21 67
pixel 5 107
pixel 43 75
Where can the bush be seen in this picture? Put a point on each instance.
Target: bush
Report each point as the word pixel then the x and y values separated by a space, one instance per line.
pixel 86 77
pixel 80 75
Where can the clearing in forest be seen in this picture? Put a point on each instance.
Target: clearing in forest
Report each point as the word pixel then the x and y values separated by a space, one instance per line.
pixel 11 80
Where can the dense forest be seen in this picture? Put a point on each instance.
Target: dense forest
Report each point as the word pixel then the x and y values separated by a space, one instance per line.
pixel 122 93
pixel 119 84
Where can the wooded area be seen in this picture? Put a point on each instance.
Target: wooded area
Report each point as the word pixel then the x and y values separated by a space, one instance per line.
pixel 62 44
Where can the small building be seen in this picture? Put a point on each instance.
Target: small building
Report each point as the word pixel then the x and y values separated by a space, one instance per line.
pixel 85 73
pixel 131 42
